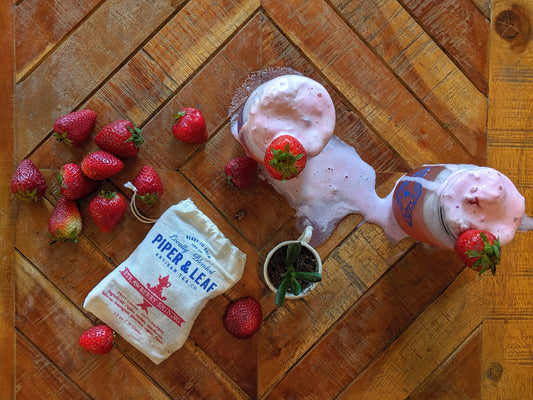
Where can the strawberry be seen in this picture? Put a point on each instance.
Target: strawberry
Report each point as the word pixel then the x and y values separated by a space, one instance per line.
pixel 285 158
pixel 73 184
pixel 189 126
pixel 240 171
pixel 120 138
pixel 75 128
pixel 243 317
pixel 98 339
pixel 65 221
pixel 149 186
pixel 107 209
pixel 28 182
pixel 479 250
pixel 101 165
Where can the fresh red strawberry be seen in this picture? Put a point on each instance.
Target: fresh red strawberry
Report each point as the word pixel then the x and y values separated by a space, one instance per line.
pixel 189 126
pixel 28 182
pixel 75 128
pixel 149 186
pixel 120 138
pixel 241 171
pixel 243 317
pixel 73 184
pixel 107 209
pixel 285 158
pixel 98 339
pixel 101 165
pixel 479 250
pixel 65 221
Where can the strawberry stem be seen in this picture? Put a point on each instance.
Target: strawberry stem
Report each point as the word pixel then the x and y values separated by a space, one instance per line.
pixel 284 161
pixel 489 257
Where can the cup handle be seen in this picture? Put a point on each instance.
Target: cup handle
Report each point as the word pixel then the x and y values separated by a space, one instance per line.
pixel 306 234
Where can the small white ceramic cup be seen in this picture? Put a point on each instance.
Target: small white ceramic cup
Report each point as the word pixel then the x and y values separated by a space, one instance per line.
pixel 304 238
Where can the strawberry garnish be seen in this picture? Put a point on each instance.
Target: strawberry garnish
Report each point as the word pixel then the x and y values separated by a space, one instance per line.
pixel 189 126
pixel 285 158
pixel 243 317
pixel 98 339
pixel 240 171
pixel 28 182
pixel 75 128
pixel 479 250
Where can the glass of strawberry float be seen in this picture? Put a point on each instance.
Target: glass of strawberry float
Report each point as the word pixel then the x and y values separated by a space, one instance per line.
pixel 448 204
pixel 284 121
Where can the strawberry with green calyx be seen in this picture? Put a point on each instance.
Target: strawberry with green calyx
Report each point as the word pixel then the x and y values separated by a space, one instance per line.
pixel 75 128
pixel 479 250
pixel 98 339
pixel 149 186
pixel 73 184
pixel 243 317
pixel 240 171
pixel 65 222
pixel 285 158
pixel 120 138
pixel 28 182
pixel 189 126
pixel 101 165
pixel 107 209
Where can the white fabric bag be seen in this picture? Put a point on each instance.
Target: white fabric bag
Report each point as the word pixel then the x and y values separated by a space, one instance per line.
pixel 154 296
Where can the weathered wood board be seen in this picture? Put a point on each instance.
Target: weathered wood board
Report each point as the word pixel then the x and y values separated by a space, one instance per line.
pixel 412 81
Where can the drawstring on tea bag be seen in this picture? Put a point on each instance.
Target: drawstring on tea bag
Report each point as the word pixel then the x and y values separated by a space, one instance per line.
pixel 134 208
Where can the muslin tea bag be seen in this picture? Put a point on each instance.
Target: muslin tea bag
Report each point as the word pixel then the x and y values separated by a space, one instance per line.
pixel 153 297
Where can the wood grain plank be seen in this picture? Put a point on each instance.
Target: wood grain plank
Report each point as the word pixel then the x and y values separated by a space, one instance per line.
pixel 373 91
pixel 141 86
pixel 84 60
pixel 507 355
pixel 484 7
pixel 7 206
pixel 458 27
pixel 372 324
pixel 38 378
pixel 46 317
pixel 424 345
pixel 424 67
pixel 458 378
pixel 41 25
pixel 290 330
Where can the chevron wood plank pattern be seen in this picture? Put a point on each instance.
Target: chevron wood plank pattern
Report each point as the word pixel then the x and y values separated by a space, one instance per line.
pixel 411 84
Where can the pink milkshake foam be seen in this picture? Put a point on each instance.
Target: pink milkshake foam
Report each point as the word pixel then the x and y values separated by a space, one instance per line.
pixel 337 182
pixel 436 203
pixel 485 199
pixel 285 105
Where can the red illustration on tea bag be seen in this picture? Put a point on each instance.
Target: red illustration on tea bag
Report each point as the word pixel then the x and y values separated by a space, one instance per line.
pixel 156 290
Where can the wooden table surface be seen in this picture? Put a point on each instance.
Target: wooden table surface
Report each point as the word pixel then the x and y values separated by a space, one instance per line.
pixel 412 82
